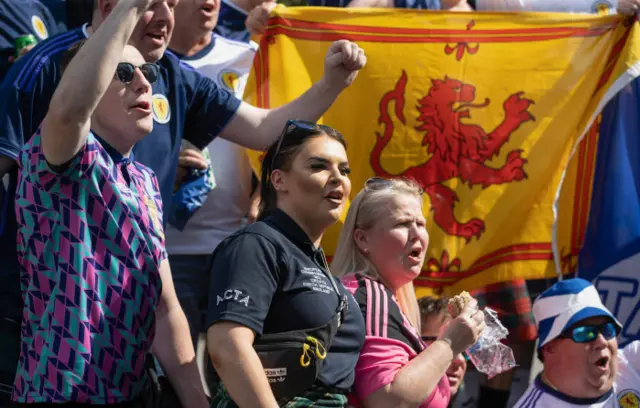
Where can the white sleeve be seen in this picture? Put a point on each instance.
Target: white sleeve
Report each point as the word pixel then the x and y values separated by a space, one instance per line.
pixel 631 353
pixel 499 5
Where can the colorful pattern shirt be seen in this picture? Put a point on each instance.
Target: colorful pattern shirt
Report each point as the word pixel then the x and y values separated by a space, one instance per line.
pixel 90 243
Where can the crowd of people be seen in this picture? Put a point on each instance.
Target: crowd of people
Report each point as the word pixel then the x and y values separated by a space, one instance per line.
pixel 109 107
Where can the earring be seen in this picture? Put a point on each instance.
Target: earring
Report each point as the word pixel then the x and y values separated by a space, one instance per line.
pixel 366 251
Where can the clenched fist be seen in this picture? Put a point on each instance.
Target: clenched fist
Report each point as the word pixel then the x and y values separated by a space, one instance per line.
pixel 343 62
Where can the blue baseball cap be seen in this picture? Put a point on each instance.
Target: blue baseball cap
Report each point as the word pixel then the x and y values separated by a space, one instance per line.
pixel 564 304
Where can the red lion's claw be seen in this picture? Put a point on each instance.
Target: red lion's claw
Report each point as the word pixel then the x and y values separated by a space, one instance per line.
pixel 517 107
pixel 512 169
pixel 470 229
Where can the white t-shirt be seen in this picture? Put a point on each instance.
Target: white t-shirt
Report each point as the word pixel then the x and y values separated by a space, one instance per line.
pixel 228 63
pixel 560 6
pixel 624 394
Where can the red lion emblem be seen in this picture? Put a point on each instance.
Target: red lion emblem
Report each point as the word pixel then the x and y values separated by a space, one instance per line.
pixel 459 150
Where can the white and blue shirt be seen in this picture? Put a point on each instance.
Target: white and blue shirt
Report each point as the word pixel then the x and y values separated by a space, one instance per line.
pixel 624 394
pixel 552 6
pixel 228 64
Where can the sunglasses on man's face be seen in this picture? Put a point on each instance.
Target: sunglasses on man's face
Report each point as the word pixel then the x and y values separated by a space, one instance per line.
pixel 293 125
pixel 588 333
pixel 126 71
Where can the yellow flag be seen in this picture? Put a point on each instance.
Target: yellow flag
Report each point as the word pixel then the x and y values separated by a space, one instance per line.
pixel 489 113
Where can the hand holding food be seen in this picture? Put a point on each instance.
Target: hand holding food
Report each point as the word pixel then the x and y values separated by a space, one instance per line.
pixel 458 303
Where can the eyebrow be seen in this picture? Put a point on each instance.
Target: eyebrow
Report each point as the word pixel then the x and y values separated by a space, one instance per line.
pixel 326 161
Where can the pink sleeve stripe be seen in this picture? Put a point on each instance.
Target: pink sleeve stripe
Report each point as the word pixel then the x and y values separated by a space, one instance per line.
pixel 377 316
pixel 385 312
pixel 369 330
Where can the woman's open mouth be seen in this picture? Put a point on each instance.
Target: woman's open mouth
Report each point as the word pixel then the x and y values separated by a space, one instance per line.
pixel 415 255
pixel 335 197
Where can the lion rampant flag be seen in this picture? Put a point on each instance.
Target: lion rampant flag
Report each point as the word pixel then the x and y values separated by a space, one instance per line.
pixel 494 115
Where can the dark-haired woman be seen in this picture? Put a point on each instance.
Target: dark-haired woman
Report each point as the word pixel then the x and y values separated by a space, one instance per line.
pixel 271 285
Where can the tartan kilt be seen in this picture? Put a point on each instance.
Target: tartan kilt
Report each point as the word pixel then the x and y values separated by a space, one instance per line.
pixel 512 302
pixel 317 396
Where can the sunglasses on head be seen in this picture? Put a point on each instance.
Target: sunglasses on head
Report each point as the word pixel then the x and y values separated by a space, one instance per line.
pixel 378 183
pixel 292 125
pixel 588 333
pixel 125 72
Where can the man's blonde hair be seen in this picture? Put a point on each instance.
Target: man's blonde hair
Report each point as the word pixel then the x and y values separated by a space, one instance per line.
pixel 367 208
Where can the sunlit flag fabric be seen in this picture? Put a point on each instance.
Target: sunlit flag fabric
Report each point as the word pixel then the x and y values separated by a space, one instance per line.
pixel 484 110
pixel 610 257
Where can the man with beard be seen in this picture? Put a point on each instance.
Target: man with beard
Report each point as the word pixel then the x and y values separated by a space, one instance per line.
pixel 579 349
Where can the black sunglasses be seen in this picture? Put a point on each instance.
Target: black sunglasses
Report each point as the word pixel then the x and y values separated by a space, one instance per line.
pixel 588 333
pixel 428 338
pixel 125 72
pixel 293 124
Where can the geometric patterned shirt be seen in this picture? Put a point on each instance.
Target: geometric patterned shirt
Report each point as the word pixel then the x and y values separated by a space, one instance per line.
pixel 90 243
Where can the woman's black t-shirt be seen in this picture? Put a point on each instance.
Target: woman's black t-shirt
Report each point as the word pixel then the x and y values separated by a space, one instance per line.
pixel 274 280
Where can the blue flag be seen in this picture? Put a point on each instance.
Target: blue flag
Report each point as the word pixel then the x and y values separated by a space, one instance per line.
pixel 610 256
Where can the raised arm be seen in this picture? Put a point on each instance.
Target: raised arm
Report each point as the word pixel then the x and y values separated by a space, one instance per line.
pixel 86 79
pixel 256 128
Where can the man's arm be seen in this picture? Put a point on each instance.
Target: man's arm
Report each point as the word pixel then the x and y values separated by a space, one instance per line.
pixel 67 124
pixel 257 128
pixel 173 346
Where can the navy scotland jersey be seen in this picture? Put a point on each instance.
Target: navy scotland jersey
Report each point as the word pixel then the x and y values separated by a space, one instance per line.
pixel 185 104
pixel 231 22
pixel 22 17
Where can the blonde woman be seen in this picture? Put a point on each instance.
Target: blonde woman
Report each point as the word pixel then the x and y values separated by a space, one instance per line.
pixel 381 250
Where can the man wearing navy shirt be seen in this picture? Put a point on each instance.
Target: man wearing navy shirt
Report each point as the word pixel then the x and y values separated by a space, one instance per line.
pixel 18 18
pixel 232 17
pixel 70 14
pixel 185 105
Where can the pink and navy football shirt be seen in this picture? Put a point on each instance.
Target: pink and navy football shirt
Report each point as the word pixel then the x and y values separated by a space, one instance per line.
pixel 90 242
pixel 390 343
